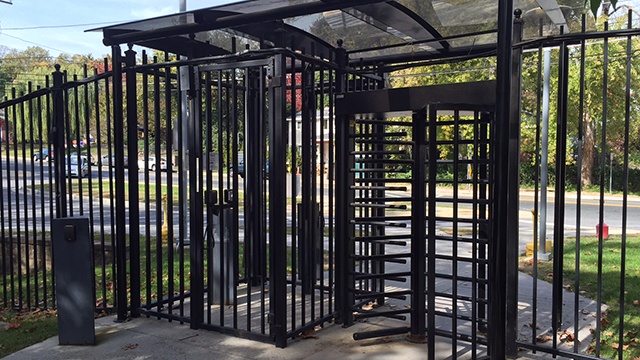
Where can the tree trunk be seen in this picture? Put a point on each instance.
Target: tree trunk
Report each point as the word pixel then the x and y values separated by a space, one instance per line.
pixel 588 149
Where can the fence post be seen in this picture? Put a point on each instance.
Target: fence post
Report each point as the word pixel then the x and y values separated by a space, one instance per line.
pixel 121 226
pixel 278 203
pixel 344 230
pixel 498 245
pixel 58 142
pixel 132 153
pixel 513 190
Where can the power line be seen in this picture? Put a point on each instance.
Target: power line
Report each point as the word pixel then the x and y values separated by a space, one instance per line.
pixel 33 43
pixel 61 26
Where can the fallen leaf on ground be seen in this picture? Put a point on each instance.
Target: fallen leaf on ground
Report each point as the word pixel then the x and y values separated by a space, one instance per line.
pixel 615 346
pixel 369 306
pixel 13 325
pixel 130 347
pixel 566 336
pixel 543 338
pixel 309 334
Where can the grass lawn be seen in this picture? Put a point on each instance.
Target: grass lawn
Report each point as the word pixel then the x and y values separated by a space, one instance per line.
pixel 610 270
pixel 28 328
pixel 108 192
pixel 25 329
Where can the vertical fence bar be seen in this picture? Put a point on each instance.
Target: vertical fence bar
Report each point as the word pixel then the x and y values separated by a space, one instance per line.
pixel 537 232
pixel 3 233
pixel 173 126
pixel 209 195
pixel 513 190
pixel 431 214
pixel 10 206
pixel 194 127
pixel 21 217
pixel 332 186
pixel 558 226
pixel 87 143
pixel 581 101
pixel 603 161
pixel 147 201
pixel 625 191
pixel 25 187
pixel 38 240
pixel 418 233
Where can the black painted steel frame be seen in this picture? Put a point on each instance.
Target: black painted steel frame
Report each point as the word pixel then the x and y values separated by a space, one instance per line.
pixel 576 58
pixel 42 128
pixel 283 256
pixel 378 259
pixel 248 97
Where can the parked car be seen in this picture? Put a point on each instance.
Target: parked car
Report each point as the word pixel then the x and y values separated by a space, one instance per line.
pixel 241 167
pixel 76 166
pixel 152 163
pixel 44 155
pixel 111 161
pixel 85 154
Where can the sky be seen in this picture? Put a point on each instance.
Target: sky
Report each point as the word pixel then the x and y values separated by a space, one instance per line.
pixel 60 24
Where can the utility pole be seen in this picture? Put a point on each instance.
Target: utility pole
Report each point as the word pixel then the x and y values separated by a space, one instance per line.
pixel 184 127
pixel 544 160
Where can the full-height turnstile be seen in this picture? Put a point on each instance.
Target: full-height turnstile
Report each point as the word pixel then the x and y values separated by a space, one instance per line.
pixel 415 223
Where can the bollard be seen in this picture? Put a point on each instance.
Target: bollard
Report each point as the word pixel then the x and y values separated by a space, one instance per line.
pixel 605 231
pixel 224 266
pixel 75 288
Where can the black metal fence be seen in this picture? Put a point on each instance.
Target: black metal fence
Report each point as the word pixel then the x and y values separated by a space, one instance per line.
pixel 580 166
pixel 227 193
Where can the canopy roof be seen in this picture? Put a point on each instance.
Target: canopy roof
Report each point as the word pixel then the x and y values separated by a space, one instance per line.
pixel 371 30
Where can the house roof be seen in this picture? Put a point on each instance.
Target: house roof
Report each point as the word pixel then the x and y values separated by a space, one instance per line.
pixel 370 30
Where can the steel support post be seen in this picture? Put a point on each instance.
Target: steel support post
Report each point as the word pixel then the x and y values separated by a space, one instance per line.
pixel 308 174
pixel 196 199
pixel 514 188
pixel 432 176
pixel 132 153
pixel 253 179
pixel 344 231
pixel 500 197
pixel 58 130
pixel 121 220
pixel 278 201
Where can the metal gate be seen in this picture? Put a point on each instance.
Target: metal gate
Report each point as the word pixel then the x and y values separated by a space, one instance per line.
pixel 418 212
pixel 251 250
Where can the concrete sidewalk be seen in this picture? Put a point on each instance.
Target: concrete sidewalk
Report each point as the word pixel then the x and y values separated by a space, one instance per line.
pixel 150 338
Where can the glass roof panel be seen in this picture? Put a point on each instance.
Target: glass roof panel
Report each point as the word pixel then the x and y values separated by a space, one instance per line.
pixel 356 34
pixel 247 7
pixel 367 29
